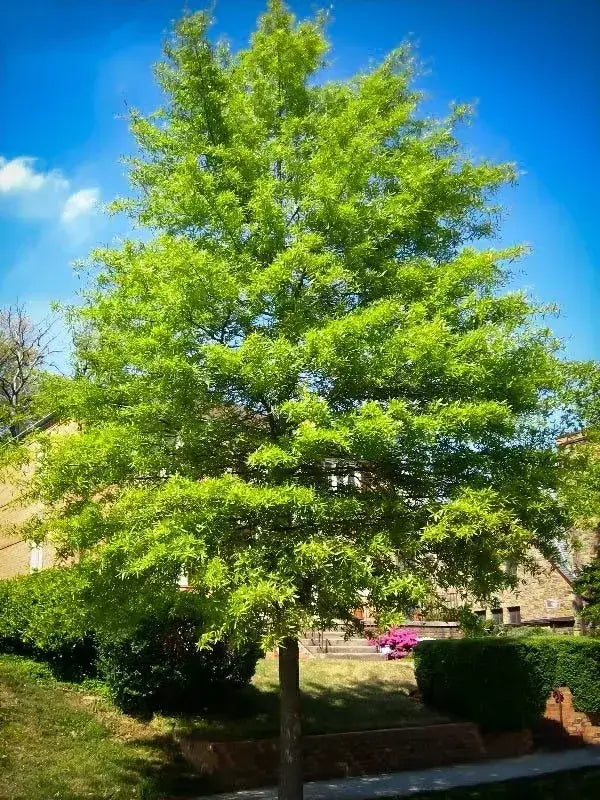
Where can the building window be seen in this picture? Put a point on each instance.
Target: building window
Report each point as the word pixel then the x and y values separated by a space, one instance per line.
pixel 552 604
pixel 497 615
pixel 350 479
pixel 481 614
pixel 36 557
pixel 354 479
pixel 514 615
pixel 347 475
pixel 183 580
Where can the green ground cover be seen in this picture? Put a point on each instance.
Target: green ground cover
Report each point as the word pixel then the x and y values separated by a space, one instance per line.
pixel 68 742
pixel 336 696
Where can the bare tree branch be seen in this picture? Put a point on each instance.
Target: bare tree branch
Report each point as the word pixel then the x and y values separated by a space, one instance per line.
pixel 25 349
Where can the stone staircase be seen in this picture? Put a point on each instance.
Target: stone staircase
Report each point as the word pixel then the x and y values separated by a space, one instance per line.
pixel 332 644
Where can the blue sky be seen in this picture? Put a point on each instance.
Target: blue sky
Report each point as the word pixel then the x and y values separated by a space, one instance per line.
pixel 69 70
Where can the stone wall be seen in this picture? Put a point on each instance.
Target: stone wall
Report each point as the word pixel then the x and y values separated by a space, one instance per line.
pixel 587 547
pixel 546 595
pixel 435 630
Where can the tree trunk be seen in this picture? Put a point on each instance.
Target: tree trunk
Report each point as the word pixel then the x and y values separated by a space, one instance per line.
pixel 290 743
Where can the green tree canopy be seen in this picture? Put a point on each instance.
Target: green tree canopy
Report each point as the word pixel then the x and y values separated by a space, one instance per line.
pixel 580 488
pixel 306 386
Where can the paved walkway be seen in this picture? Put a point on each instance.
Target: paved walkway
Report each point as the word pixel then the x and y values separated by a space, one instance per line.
pixel 407 784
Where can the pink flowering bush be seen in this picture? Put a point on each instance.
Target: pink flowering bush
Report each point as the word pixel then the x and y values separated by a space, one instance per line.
pixel 400 642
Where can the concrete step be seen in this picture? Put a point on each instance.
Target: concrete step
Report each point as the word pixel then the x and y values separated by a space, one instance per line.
pixel 329 634
pixel 333 639
pixel 358 656
pixel 336 643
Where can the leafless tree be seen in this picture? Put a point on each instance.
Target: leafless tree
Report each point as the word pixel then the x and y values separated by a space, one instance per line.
pixel 25 350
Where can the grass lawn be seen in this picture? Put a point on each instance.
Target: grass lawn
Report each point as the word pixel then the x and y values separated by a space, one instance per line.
pixel 61 742
pixel 576 785
pixel 336 696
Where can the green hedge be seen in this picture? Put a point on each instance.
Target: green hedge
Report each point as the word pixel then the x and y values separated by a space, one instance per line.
pixel 158 667
pixel 503 684
pixel 578 667
pixel 155 665
pixel 36 620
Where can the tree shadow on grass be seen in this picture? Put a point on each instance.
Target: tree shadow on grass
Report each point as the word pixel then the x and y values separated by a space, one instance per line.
pixel 253 713
pixel 61 742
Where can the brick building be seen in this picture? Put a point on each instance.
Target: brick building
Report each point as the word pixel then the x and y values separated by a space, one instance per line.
pixel 18 555
pixel 547 598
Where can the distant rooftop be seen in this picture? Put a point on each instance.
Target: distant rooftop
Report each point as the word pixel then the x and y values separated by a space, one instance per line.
pixel 40 424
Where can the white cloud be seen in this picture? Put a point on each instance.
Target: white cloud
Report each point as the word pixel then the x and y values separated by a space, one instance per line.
pixel 19 176
pixel 79 204
pixel 49 199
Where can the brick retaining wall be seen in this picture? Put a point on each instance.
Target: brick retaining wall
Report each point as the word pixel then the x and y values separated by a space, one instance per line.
pixel 248 764
pixel 562 724
pixel 253 763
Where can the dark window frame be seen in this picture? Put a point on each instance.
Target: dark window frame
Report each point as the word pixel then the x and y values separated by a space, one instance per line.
pixel 514 615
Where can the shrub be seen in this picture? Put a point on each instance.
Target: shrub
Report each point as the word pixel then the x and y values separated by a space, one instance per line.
pixel 154 666
pixel 401 642
pixel 475 626
pixel 501 684
pixel 158 667
pixel 587 586
pixel 578 667
pixel 518 632
pixel 35 621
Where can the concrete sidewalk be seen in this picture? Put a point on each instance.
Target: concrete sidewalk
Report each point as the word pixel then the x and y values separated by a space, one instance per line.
pixel 407 784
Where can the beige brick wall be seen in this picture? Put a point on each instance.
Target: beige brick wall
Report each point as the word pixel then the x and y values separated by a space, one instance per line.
pixel 14 558
pixel 14 550
pixel 15 554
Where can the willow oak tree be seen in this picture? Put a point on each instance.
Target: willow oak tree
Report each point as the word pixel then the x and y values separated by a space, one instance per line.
pixel 580 485
pixel 304 387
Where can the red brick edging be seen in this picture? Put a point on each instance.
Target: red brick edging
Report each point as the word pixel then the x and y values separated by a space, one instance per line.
pixel 562 724
pixel 251 763
pixel 248 764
